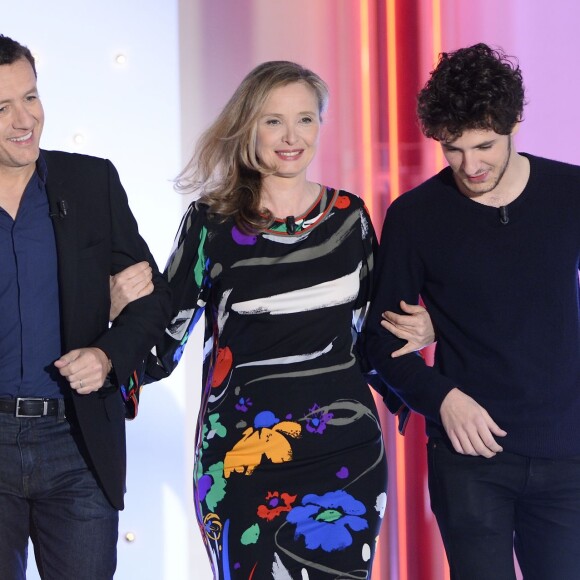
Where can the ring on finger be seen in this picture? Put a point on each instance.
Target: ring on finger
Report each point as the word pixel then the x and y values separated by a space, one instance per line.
pixel 80 383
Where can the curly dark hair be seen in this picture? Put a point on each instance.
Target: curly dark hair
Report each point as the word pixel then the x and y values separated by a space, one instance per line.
pixel 11 51
pixel 472 88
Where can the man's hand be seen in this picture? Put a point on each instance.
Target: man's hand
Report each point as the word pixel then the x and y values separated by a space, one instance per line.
pixel 132 283
pixel 469 426
pixel 415 327
pixel 84 368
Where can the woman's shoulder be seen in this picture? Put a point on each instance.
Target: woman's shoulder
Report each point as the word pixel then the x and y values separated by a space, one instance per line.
pixel 345 200
pixel 199 214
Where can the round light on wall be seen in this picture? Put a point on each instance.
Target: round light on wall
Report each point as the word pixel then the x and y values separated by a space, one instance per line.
pixel 79 138
pixel 121 59
pixel 130 537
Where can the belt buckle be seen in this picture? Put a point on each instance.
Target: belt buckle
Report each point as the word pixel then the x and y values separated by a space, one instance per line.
pixel 44 407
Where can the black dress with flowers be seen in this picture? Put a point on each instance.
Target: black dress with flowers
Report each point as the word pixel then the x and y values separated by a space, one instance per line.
pixel 290 473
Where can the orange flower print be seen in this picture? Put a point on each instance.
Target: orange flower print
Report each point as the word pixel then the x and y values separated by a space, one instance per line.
pixel 342 202
pixel 276 503
pixel 267 437
pixel 223 365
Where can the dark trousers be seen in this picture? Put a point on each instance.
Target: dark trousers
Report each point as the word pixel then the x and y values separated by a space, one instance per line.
pixel 48 493
pixel 487 507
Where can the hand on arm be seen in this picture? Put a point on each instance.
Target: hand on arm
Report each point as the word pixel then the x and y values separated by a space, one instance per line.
pixel 85 369
pixel 469 426
pixel 128 285
pixel 414 326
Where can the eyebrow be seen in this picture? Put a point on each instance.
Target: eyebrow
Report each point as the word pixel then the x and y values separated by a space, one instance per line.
pixel 482 144
pixel 32 90
pixel 282 114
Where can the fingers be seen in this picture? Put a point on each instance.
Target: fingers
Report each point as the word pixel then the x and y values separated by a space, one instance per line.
pixel 471 443
pixel 399 331
pixel 135 271
pixel 128 285
pixel 134 280
pixel 416 320
pixel 397 319
pixel 496 429
pixel 85 369
pixel 475 443
pixel 407 348
pixel 469 427
pixel 411 308
pixel 414 326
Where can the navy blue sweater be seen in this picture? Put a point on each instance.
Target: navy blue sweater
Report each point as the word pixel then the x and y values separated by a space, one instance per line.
pixel 504 300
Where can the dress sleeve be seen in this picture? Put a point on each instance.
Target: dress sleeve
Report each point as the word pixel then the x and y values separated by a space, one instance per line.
pixel 369 249
pixel 187 273
pixel 360 318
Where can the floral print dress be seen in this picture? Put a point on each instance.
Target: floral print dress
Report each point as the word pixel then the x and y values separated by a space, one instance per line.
pixel 290 472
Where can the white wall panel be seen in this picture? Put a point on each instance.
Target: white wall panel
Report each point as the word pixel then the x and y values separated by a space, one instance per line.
pixel 131 114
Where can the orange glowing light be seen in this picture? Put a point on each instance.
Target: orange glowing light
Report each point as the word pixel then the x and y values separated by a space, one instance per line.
pixel 366 105
pixel 393 111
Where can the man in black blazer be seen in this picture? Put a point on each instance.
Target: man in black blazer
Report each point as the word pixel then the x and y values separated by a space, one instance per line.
pixel 65 227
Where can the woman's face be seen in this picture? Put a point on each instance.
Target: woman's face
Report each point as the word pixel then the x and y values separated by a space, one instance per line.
pixel 288 129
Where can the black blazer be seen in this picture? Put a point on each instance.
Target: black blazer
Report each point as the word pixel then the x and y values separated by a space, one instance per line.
pixel 96 235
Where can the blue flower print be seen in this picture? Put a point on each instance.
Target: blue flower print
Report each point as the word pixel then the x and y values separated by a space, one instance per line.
pixel 327 521
pixel 317 419
pixel 243 404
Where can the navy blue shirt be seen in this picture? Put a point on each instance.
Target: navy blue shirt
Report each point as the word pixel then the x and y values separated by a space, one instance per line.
pixel 29 297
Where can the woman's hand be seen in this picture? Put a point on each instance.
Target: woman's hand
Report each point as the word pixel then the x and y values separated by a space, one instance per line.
pixel 415 327
pixel 128 285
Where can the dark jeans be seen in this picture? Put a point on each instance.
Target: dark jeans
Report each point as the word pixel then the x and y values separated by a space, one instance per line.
pixel 486 507
pixel 48 493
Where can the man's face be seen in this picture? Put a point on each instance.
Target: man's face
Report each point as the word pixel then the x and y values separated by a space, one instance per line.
pixel 21 117
pixel 479 160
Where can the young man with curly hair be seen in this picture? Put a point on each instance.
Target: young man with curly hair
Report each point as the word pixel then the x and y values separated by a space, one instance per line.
pixel 492 245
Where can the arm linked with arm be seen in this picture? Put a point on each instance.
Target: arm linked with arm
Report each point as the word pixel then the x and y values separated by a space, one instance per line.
pixel 141 322
pixel 399 276
pixel 188 277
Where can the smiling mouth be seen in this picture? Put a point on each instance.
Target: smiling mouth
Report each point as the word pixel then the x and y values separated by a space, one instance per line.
pixel 479 177
pixel 26 137
pixel 289 154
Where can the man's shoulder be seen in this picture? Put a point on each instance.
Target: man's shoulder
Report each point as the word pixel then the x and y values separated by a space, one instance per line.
pixel 551 167
pixel 75 168
pixel 428 194
pixel 71 160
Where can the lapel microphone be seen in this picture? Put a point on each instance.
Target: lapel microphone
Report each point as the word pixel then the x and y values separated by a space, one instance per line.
pixel 290 225
pixel 62 209
pixel 503 215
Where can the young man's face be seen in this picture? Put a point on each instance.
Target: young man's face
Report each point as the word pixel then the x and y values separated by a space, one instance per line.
pixel 479 160
pixel 21 117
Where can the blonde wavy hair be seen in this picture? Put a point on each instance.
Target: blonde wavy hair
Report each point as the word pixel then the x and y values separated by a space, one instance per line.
pixel 224 169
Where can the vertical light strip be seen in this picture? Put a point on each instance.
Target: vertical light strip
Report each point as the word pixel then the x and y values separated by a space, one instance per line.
pixel 366 106
pixel 393 112
pixel 395 191
pixel 439 160
pixel 437 48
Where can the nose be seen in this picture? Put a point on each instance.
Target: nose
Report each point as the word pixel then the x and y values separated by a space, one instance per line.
pixel 22 118
pixel 290 135
pixel 470 164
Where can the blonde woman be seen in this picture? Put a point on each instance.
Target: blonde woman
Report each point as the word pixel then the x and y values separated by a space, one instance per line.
pixel 291 474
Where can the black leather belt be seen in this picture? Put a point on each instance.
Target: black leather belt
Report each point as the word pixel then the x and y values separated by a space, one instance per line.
pixel 29 407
